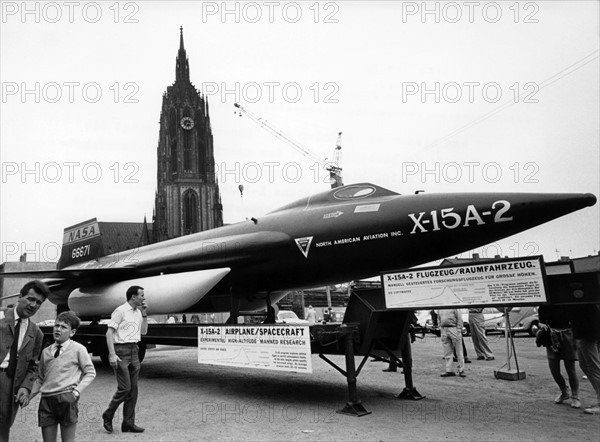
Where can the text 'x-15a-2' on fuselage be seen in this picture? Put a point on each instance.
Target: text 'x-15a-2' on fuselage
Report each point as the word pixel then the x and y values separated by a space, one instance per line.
pixel 343 234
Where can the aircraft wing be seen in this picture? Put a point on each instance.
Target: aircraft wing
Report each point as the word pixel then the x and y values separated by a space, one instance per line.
pixel 199 261
pixel 157 258
pixel 61 275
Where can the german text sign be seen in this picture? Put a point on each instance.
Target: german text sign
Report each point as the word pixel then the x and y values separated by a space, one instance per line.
pixel 508 282
pixel 271 347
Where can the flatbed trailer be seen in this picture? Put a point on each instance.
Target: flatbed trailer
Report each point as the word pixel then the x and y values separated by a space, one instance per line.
pixel 368 330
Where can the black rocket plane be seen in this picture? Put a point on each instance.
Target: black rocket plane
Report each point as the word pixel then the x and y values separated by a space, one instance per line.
pixel 343 234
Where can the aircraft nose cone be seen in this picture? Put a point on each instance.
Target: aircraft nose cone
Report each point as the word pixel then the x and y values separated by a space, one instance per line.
pixel 589 199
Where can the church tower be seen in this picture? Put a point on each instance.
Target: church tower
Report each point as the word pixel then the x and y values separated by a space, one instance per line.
pixel 187 195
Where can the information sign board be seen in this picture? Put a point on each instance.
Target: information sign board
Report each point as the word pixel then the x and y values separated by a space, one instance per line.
pixel 499 282
pixel 271 347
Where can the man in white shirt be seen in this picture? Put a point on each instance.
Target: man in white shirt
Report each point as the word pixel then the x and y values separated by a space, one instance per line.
pixel 127 323
pixel 451 323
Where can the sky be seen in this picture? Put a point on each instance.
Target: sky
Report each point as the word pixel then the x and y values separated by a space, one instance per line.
pixel 434 96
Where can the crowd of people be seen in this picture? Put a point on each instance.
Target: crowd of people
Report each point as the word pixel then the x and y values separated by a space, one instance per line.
pixel 574 332
pixel 62 371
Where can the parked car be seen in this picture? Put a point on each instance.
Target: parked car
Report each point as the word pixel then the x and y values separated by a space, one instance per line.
pixel 435 329
pixel 491 318
pixel 289 317
pixel 424 321
pixel 522 319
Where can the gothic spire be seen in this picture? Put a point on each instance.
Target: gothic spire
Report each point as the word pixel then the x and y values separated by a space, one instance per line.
pixel 182 71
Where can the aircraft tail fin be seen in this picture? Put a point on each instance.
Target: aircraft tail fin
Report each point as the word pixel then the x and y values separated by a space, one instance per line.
pixel 81 242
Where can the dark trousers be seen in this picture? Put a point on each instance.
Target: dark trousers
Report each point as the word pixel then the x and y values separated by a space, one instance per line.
pixel 8 408
pixel 127 372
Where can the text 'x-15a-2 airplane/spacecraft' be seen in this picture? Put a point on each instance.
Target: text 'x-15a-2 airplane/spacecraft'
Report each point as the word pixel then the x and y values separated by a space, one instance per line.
pixel 343 234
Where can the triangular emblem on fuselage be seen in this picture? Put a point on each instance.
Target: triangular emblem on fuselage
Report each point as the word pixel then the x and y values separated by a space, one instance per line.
pixel 304 244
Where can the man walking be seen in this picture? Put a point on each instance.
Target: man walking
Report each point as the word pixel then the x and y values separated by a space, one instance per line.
pixel 451 323
pixel 20 347
pixel 127 323
pixel 480 342
pixel 585 323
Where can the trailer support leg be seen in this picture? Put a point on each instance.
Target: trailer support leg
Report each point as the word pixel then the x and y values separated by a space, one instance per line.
pixel 409 392
pixel 353 406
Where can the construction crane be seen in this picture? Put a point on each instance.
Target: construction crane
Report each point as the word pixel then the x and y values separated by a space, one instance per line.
pixel 333 167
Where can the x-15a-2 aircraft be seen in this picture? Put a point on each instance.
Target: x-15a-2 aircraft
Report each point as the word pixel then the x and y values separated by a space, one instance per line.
pixel 343 234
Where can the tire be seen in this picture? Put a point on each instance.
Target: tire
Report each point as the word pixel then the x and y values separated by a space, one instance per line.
pixel 141 351
pixel 533 328
pixel 104 357
pixel 48 340
pixel 466 330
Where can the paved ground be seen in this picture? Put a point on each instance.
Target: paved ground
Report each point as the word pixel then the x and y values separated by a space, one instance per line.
pixel 181 400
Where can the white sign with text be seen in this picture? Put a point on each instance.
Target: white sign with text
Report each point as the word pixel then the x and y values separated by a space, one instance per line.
pixel 270 347
pixel 509 282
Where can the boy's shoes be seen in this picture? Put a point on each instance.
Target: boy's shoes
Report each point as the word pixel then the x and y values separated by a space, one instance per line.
pixel 467 361
pixel 561 398
pixel 448 374
pixel 575 402
pixel 491 358
pixel 592 410
pixel 107 423
pixel 390 370
pixel 462 374
pixel 131 428
pixel 480 358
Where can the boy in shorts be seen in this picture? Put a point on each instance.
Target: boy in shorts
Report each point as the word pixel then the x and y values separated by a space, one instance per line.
pixel 65 370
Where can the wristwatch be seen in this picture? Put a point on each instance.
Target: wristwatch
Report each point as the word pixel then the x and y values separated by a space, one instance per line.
pixel 76 393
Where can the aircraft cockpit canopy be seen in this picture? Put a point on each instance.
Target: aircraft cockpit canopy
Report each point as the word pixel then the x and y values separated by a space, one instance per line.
pixel 353 192
pixel 345 194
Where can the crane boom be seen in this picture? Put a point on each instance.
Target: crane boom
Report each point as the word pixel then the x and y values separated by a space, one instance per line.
pixel 334 169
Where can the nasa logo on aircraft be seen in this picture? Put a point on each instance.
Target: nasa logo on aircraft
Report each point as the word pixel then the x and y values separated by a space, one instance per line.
pixel 304 244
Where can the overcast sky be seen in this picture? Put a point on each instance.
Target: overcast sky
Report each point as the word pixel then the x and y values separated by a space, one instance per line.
pixel 436 96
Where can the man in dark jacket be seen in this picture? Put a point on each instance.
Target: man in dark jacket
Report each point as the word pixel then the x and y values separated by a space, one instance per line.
pixel 20 347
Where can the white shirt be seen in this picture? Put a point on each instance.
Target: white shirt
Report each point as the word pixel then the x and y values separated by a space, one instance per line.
pixel 63 347
pixel 127 324
pixel 23 331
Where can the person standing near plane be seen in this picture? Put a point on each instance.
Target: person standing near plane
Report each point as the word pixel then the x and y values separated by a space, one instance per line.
pixel 311 315
pixel 585 322
pixel 127 323
pixel 562 348
pixel 480 342
pixel 451 324
pixel 20 347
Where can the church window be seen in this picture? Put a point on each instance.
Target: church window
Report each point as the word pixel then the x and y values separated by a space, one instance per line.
pixel 174 156
pixel 172 122
pixel 190 212
pixel 187 151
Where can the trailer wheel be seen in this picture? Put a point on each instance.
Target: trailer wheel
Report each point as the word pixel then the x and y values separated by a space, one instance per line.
pixel 141 351
pixel 104 357
pixel 533 328
pixel 48 340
